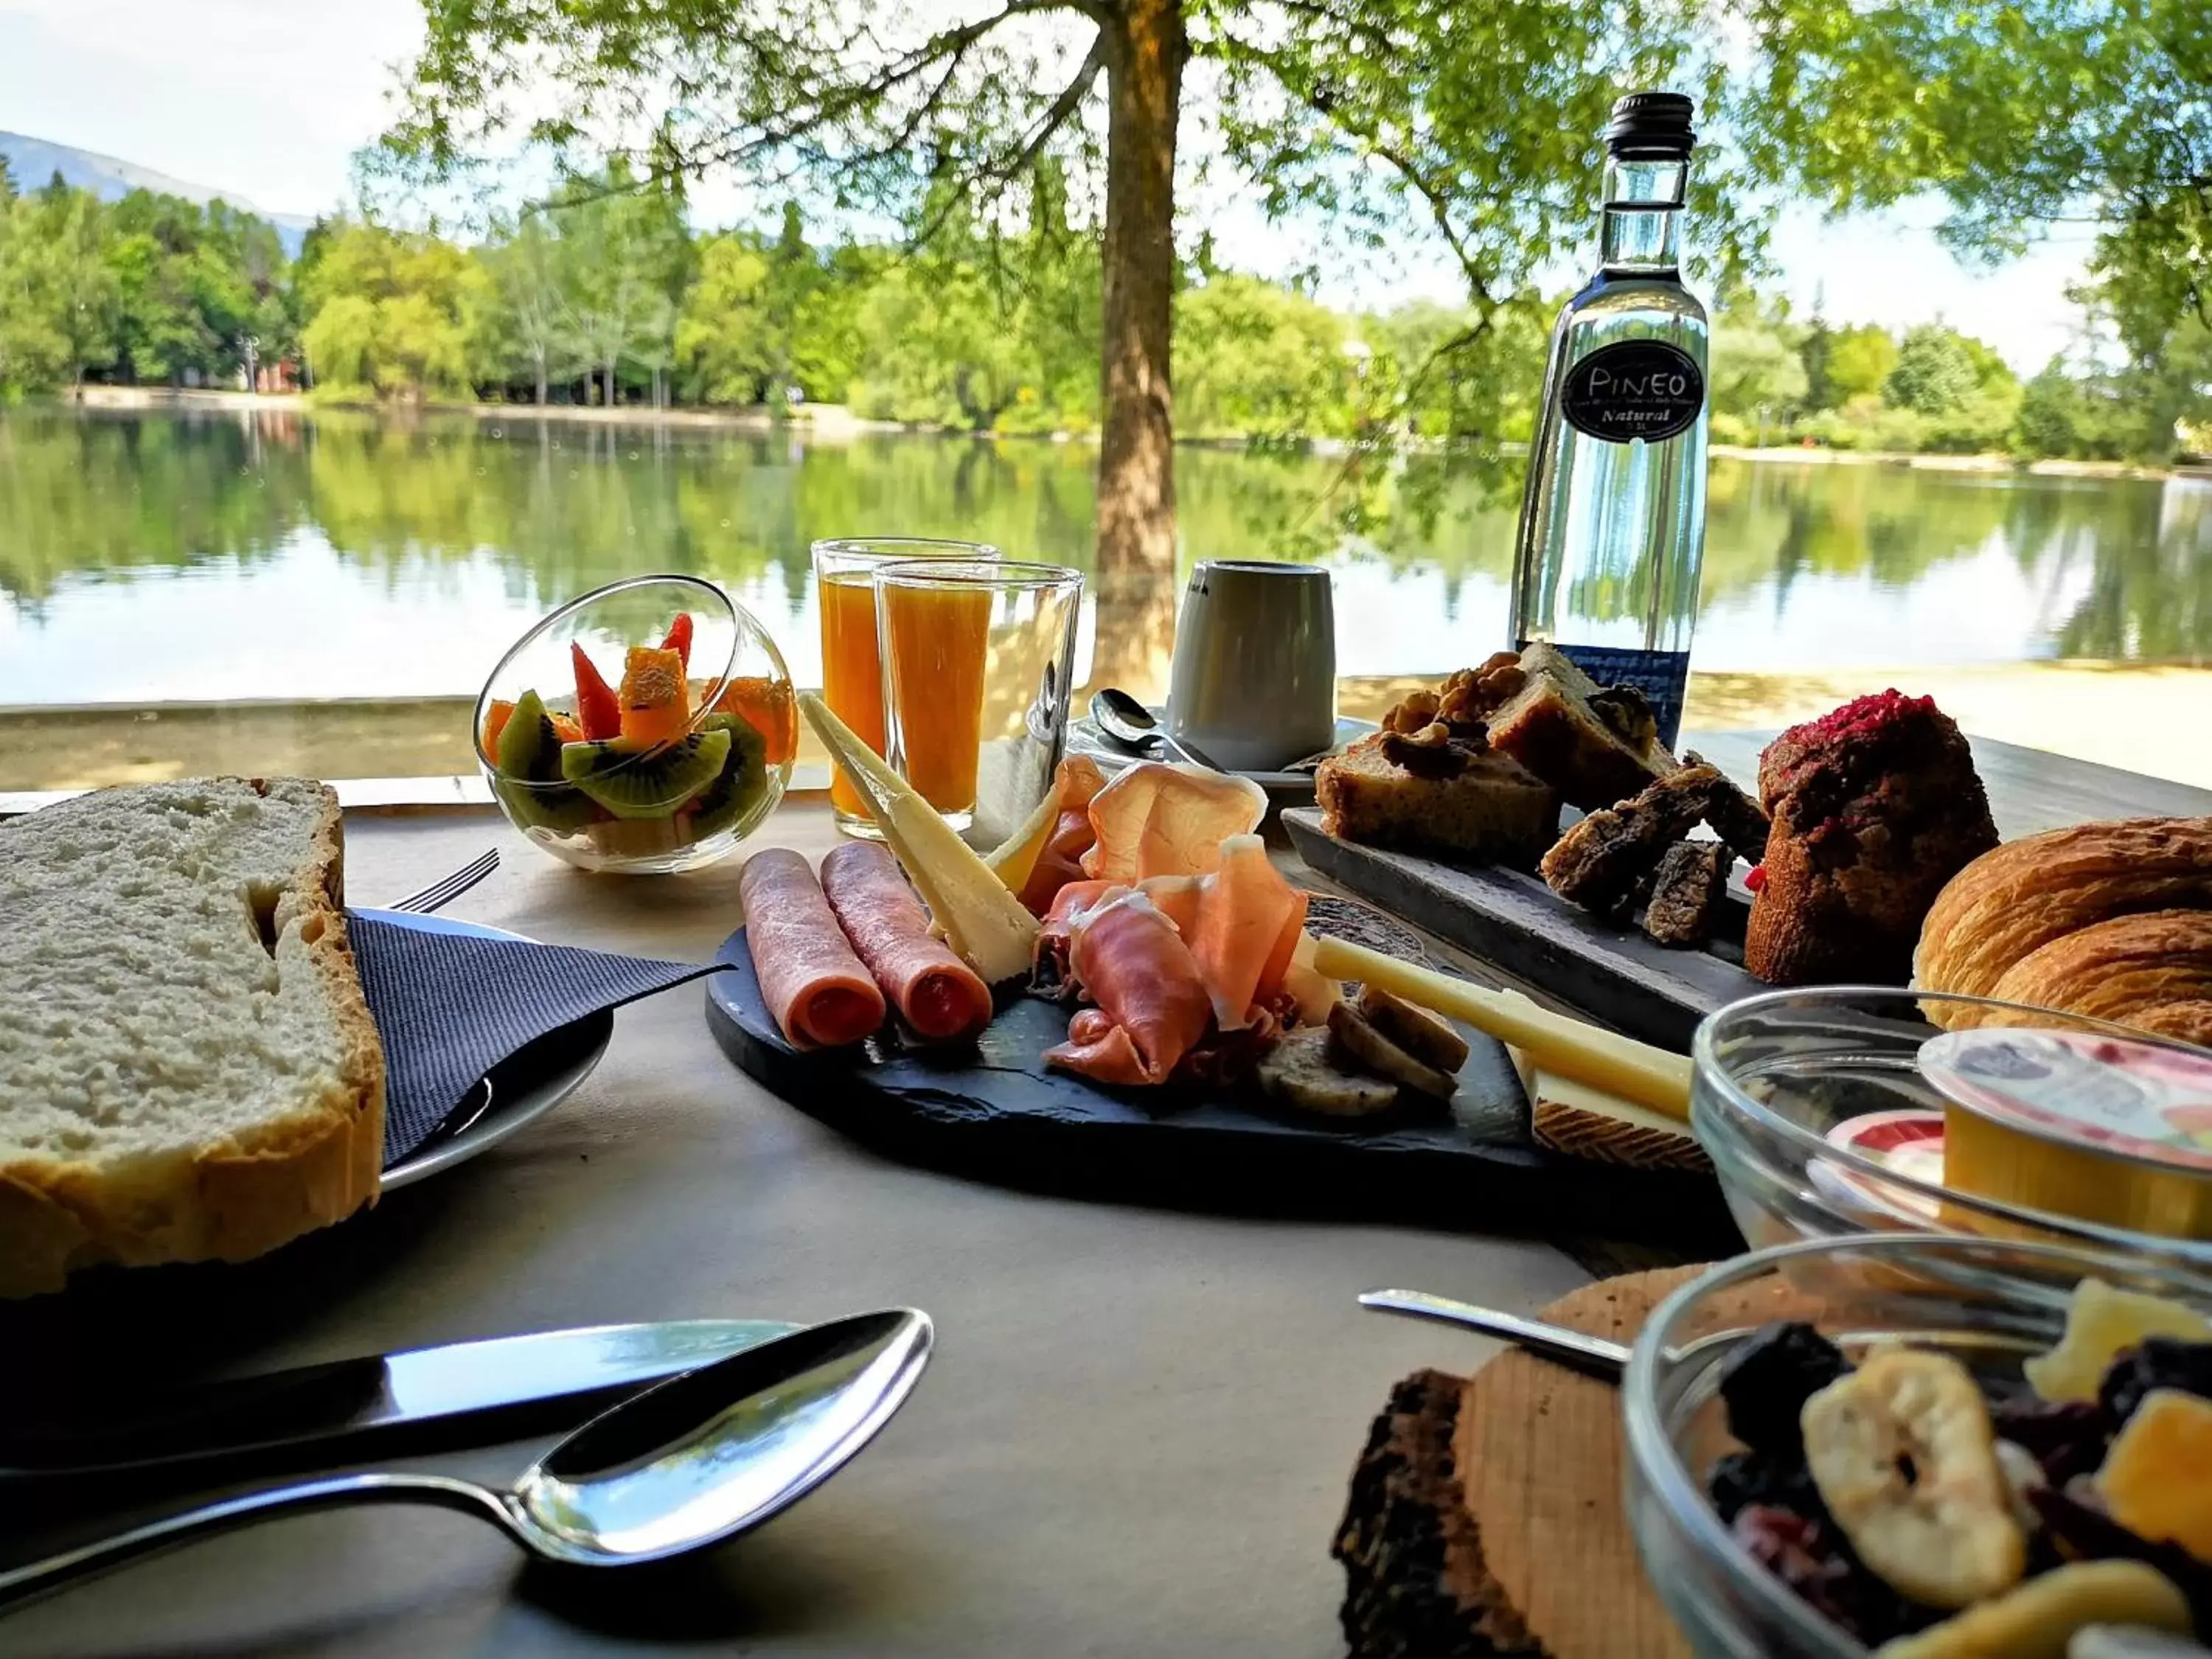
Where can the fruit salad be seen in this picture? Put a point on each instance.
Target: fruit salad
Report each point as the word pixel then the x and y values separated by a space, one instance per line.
pixel 1932 1510
pixel 650 764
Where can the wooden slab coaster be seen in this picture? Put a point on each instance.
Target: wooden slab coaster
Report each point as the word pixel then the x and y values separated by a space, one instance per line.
pixel 1487 1515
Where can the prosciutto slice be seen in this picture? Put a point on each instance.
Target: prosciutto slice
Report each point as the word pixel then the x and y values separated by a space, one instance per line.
pixel 1074 785
pixel 817 990
pixel 1246 927
pixel 1161 820
pixel 1152 1007
pixel 940 996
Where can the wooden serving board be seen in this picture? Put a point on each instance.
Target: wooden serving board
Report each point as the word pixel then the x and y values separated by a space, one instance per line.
pixel 1486 1514
pixel 993 1110
pixel 1619 975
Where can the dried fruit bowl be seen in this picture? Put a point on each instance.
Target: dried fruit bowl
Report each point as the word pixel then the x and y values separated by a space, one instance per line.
pixel 1990 1305
pixel 644 727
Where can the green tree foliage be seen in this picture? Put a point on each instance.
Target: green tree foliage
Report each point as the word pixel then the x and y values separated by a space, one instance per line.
pixel 726 352
pixel 1755 376
pixel 1934 373
pixel 626 259
pixel 390 313
pixel 2024 113
pixel 520 324
pixel 1859 362
pixel 1263 361
pixel 1476 122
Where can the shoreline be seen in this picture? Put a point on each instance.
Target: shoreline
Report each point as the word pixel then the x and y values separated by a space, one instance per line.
pixel 2119 714
pixel 837 423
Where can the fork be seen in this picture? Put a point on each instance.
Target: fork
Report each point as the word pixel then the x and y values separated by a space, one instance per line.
pixel 447 888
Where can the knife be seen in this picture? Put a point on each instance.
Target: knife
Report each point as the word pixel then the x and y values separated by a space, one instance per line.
pixel 549 1378
pixel 1593 1356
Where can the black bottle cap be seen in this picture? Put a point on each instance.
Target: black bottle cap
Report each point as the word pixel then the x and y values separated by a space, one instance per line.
pixel 1652 126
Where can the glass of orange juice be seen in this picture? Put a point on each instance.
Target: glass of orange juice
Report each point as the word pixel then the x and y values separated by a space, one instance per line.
pixel 979 660
pixel 852 668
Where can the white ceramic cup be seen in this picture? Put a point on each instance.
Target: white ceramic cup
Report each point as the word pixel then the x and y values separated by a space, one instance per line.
pixel 1254 681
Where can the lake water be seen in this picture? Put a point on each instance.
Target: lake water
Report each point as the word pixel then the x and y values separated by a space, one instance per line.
pixel 235 555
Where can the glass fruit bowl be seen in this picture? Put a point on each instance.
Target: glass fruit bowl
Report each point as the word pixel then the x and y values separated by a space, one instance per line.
pixel 1821 1121
pixel 1989 1303
pixel 646 726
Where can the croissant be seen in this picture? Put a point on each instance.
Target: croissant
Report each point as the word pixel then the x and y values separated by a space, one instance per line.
pixel 2109 920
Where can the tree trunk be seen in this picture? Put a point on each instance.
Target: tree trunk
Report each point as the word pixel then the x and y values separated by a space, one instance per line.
pixel 541 377
pixel 1146 46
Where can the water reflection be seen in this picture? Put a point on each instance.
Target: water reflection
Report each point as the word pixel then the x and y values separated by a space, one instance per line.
pixel 274 554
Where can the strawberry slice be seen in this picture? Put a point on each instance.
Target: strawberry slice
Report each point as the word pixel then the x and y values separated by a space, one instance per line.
pixel 598 709
pixel 679 639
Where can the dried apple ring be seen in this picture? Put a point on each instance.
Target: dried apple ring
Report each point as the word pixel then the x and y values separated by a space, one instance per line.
pixel 2038 1619
pixel 1902 1452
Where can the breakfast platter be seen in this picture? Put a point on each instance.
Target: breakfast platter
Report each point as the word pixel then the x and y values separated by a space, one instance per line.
pixel 995 1110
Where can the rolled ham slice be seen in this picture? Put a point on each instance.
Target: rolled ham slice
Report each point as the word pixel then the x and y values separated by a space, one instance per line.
pixel 1152 1007
pixel 817 991
pixel 940 996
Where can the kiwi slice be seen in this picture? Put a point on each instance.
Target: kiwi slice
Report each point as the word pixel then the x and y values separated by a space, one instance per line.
pixel 651 783
pixel 528 756
pixel 737 788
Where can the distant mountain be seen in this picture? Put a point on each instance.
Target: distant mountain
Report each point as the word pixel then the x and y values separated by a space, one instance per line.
pixel 31 161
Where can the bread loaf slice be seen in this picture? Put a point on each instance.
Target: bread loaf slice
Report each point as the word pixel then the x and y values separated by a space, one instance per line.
pixel 1491 812
pixel 188 1070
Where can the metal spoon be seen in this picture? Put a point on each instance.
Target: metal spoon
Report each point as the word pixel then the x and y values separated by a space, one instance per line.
pixel 1127 721
pixel 689 1463
pixel 1593 1356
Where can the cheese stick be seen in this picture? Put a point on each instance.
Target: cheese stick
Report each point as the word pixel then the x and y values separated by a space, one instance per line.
pixel 1573 1048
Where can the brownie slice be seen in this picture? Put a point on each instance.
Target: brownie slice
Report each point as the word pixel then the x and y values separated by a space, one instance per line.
pixel 1687 892
pixel 1604 861
pixel 1733 815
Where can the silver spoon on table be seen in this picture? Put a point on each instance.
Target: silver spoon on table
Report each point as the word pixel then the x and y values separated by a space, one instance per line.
pixel 1127 721
pixel 686 1464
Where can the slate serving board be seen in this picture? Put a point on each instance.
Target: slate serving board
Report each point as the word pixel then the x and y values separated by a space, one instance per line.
pixel 1619 975
pixel 992 1111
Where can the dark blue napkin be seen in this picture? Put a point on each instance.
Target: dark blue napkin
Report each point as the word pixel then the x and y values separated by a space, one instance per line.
pixel 450 1007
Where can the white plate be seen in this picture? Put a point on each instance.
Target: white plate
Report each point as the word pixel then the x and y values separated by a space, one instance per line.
pixel 521 1089
pixel 1084 738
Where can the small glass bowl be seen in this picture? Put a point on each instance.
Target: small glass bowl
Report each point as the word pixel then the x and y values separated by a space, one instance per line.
pixel 1775 1076
pixel 735 669
pixel 1989 1303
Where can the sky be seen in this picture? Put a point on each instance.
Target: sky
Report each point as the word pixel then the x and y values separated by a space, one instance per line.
pixel 267 100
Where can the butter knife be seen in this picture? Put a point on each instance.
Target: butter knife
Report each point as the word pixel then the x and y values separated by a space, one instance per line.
pixel 1593 1356
pixel 550 1378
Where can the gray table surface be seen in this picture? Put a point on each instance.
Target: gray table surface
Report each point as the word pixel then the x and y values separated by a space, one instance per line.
pixel 1134 1441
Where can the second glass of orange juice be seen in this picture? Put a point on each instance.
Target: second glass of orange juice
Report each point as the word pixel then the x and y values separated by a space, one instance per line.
pixel 851 664
pixel 978 657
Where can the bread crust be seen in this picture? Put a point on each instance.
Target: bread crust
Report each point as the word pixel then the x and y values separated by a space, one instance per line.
pixel 2010 904
pixel 244 1195
pixel 1580 1134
